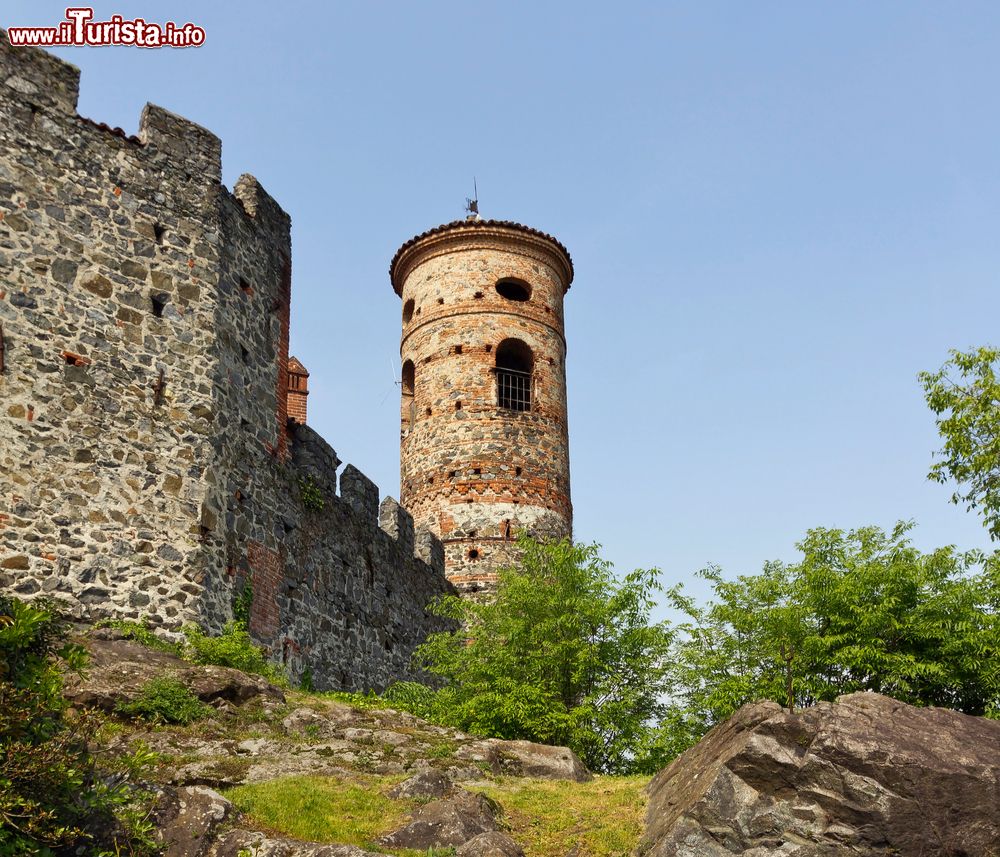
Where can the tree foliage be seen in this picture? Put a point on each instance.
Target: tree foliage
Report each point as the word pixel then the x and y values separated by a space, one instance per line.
pixel 565 654
pixel 863 610
pixel 965 396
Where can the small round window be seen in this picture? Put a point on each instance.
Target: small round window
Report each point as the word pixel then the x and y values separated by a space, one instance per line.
pixel 407 311
pixel 513 290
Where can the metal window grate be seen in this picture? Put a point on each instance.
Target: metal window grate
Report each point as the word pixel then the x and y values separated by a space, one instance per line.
pixel 514 389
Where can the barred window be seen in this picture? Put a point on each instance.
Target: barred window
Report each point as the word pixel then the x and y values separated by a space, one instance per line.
pixel 514 363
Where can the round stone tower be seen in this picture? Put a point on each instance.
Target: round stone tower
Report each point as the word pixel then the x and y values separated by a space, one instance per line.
pixel 484 444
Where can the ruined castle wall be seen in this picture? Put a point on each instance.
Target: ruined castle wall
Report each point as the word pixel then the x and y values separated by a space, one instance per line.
pixel 357 577
pixel 241 515
pixel 103 397
pixel 147 469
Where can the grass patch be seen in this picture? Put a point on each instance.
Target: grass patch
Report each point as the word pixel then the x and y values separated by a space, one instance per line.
pixel 322 809
pixel 550 818
pixel 370 701
pixel 602 818
pixel 444 750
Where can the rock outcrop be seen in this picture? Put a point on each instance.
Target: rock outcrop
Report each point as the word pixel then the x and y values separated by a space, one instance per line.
pixel 490 845
pixel 118 670
pixel 866 775
pixel 526 759
pixel 188 819
pixel 258 733
pixel 239 843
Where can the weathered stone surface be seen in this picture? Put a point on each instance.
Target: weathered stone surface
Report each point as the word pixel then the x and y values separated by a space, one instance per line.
pixel 493 844
pixel 238 843
pixel 118 670
pixel 866 775
pixel 452 821
pixel 187 820
pixel 526 759
pixel 309 723
pixel 424 784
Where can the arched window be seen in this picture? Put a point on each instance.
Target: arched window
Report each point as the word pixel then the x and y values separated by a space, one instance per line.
pixel 513 290
pixel 407 311
pixel 513 369
pixel 407 409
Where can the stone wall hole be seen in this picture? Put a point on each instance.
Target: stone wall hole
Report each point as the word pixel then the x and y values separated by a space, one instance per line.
pixel 513 289
pixel 159 303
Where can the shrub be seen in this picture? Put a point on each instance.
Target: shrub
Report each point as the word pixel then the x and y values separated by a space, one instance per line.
pixel 233 648
pixel 165 700
pixel 54 796
pixel 306 680
pixel 311 494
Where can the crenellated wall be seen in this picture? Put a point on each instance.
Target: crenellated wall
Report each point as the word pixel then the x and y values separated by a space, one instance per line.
pixel 148 468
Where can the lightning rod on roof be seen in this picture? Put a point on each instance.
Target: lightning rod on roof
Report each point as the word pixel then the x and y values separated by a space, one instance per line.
pixel 472 205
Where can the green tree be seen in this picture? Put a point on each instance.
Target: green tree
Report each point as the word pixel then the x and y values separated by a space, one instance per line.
pixel 863 610
pixel 565 654
pixel 965 396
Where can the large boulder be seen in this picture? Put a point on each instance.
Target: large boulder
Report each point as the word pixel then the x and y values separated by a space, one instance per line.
pixel 863 776
pixel 426 784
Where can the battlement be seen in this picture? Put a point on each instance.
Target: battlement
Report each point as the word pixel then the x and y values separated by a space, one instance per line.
pixel 173 142
pixel 150 464
pixel 41 79
pixel 317 462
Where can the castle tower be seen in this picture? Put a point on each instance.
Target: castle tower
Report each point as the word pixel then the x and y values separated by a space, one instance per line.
pixel 484 444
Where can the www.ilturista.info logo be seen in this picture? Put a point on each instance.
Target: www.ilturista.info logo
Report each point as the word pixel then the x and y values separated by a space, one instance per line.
pixel 79 28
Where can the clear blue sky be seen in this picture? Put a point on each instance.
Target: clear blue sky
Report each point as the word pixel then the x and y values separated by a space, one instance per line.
pixel 779 214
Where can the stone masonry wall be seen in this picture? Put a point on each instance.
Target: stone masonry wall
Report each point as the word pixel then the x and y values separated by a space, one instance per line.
pixel 147 469
pixel 104 394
